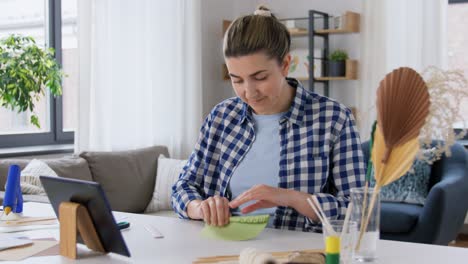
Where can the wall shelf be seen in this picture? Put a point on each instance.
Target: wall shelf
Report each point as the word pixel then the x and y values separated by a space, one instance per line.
pixel 350 74
pixel 349 24
pixel 333 79
pixel 333 31
pixel 298 32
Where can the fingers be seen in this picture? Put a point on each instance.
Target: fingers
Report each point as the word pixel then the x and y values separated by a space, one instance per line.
pixel 227 213
pixel 215 211
pixel 252 207
pixel 206 212
pixel 241 199
pixel 256 206
pixel 223 213
pixel 254 193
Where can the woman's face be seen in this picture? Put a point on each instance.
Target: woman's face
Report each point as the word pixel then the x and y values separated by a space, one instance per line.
pixel 260 82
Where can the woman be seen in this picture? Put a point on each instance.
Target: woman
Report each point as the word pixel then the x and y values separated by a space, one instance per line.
pixel 275 144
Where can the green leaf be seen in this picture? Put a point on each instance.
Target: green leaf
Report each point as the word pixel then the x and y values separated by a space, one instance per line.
pixel 35 120
pixel 338 55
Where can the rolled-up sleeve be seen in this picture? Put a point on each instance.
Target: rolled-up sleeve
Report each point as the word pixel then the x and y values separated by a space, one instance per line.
pixel 190 184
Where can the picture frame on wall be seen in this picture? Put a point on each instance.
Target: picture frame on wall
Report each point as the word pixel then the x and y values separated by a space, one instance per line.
pixel 299 68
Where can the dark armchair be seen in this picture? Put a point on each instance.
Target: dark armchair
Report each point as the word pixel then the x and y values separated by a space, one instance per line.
pixel 442 216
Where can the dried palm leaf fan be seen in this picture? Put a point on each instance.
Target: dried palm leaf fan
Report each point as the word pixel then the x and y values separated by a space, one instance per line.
pixel 402 108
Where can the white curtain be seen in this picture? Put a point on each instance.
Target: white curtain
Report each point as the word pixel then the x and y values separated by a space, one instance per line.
pixel 397 33
pixel 140 75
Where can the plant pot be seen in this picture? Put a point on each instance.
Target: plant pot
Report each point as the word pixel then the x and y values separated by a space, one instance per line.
pixel 336 68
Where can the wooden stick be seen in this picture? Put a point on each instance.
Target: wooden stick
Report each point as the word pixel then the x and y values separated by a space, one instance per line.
pixel 371 206
pixel 346 219
pixel 315 210
pixel 370 209
pixel 314 198
pixel 326 225
pixel 364 206
pixel 280 254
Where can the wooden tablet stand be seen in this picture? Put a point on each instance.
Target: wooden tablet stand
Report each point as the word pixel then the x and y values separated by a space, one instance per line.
pixel 75 218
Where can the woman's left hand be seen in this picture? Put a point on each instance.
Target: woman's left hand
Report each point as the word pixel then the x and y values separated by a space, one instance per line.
pixel 265 197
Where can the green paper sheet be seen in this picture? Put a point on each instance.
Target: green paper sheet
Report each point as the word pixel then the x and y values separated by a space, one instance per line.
pixel 239 228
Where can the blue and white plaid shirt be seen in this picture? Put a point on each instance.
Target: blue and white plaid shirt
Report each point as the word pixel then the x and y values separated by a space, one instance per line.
pixel 320 154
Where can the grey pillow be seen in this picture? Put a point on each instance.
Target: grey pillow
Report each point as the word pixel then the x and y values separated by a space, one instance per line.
pixel 68 167
pixel 127 177
pixel 5 164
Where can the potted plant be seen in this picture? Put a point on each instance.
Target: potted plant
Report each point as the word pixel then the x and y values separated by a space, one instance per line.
pixel 337 63
pixel 26 70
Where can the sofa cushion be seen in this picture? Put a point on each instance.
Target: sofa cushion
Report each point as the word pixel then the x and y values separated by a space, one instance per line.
pixel 413 187
pixel 30 181
pixel 68 167
pixel 398 217
pixel 38 198
pixel 5 164
pixel 127 177
pixel 167 175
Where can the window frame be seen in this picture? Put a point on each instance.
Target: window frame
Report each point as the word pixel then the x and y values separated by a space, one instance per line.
pixel 56 135
pixel 457 1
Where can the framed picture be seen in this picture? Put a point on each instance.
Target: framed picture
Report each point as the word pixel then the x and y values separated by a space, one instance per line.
pixel 300 63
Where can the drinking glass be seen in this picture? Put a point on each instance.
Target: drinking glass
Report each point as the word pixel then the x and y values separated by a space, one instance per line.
pixel 368 235
pixel 347 239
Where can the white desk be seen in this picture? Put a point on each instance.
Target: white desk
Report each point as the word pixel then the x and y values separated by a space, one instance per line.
pixel 182 244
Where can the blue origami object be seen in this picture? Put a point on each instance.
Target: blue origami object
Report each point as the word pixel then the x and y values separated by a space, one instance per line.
pixel 13 200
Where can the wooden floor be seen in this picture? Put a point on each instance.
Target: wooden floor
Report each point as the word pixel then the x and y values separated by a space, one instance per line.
pixel 461 241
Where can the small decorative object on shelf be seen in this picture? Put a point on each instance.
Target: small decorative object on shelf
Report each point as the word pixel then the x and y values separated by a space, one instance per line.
pixel 295 29
pixel 290 23
pixel 299 68
pixel 337 63
pixel 338 22
pixel 346 23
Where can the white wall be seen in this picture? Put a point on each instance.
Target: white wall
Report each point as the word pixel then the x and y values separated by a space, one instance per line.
pixel 213 13
pixel 214 88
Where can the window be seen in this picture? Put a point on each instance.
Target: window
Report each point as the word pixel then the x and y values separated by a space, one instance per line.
pixel 457 46
pixel 52 23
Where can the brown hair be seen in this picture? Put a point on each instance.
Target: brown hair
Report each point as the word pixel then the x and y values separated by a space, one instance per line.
pixel 260 32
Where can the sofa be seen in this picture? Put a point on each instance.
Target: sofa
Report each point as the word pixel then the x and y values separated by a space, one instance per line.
pixel 127 177
pixel 441 218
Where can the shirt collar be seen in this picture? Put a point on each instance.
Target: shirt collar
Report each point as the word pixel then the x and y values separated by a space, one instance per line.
pixel 295 113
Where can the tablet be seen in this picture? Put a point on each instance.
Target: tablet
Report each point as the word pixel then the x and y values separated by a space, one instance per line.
pixel 90 195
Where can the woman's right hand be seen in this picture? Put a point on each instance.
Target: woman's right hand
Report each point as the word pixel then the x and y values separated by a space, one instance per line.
pixel 214 210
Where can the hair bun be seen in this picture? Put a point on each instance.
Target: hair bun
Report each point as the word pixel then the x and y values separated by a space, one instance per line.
pixel 262 11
